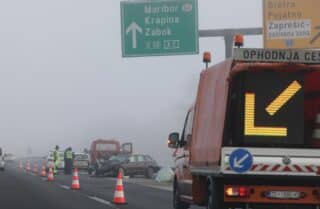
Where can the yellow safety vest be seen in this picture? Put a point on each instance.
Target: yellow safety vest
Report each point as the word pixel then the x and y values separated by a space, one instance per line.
pixel 69 155
pixel 55 155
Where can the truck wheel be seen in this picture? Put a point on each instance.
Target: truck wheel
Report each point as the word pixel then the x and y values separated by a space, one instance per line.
pixel 177 203
pixel 212 196
pixel 149 173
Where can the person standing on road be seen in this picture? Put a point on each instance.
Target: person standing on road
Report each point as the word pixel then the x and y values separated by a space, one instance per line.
pixel 56 160
pixel 65 160
pixel 69 156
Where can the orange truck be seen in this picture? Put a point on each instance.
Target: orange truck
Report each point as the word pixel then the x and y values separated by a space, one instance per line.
pixel 252 137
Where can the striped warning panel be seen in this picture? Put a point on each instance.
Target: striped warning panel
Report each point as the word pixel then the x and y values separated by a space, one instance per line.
pixel 283 168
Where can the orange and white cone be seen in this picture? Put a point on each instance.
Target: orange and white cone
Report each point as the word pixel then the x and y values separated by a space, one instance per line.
pixel 75 180
pixel 35 168
pixel 28 168
pixel 316 131
pixel 50 175
pixel 43 171
pixel 119 193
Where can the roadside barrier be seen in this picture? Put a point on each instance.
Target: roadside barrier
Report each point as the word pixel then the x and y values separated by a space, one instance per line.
pixel 119 192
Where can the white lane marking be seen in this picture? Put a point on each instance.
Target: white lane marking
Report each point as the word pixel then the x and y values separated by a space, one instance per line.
pixel 64 186
pixel 158 187
pixel 102 201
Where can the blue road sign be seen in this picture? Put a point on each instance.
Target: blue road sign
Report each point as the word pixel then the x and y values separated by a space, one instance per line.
pixel 240 160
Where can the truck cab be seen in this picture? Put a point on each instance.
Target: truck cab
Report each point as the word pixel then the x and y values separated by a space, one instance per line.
pixel 100 152
pixel 251 140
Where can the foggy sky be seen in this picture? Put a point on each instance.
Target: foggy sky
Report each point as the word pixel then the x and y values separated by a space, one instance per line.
pixel 63 80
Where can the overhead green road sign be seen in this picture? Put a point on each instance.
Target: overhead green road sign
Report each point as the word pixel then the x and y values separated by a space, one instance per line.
pixel 159 28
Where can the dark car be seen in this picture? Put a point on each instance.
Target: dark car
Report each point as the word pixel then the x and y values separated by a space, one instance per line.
pixel 131 165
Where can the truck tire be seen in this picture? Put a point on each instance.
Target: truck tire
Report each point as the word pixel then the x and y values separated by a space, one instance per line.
pixel 177 203
pixel 149 173
pixel 212 196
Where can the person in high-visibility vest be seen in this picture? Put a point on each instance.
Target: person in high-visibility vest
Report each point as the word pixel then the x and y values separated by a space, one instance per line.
pixel 56 160
pixel 68 158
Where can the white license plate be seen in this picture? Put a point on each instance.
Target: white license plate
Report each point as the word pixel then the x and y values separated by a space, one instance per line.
pixel 283 195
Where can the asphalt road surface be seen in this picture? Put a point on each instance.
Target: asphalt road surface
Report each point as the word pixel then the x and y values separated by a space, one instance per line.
pixel 21 190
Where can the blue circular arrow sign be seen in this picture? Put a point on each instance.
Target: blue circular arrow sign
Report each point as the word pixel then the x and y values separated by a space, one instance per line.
pixel 240 160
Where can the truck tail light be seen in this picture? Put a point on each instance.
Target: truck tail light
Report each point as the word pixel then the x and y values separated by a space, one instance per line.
pixel 237 191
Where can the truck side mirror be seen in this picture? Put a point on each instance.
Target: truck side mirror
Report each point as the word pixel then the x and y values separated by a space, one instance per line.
pixel 173 140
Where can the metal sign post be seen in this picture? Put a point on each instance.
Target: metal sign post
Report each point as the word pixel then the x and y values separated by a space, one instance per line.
pixel 228 35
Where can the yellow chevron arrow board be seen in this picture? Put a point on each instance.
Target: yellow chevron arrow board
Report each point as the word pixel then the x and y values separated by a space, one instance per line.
pixel 271 105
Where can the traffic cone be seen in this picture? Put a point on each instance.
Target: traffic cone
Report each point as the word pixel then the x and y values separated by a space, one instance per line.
pixel 50 175
pixel 316 131
pixel 75 180
pixel 119 192
pixel 35 168
pixel 43 171
pixel 28 168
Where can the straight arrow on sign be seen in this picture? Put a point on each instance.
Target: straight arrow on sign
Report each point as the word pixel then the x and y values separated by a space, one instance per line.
pixel 134 27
